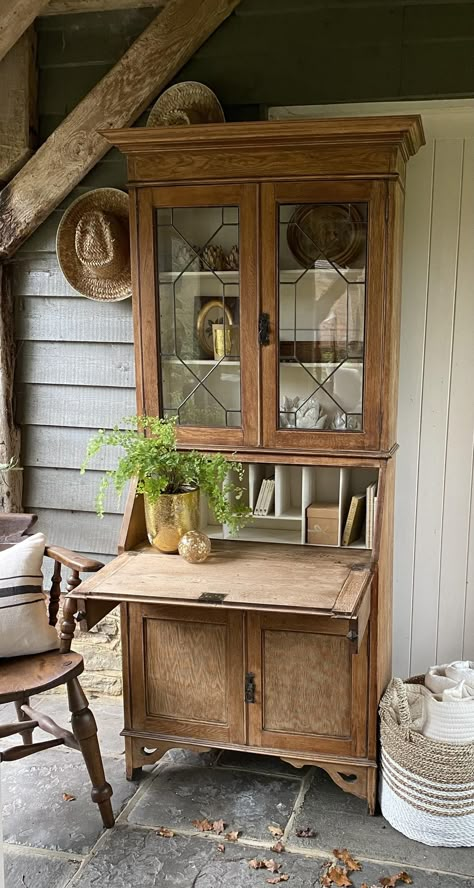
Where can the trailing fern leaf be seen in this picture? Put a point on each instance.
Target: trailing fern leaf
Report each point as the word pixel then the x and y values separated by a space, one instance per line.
pixel 150 454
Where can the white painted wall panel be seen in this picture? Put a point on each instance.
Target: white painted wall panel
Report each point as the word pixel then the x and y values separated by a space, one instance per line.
pixel 459 449
pixel 418 206
pixel 435 401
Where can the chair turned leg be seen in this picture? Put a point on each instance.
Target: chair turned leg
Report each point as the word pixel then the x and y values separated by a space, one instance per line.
pixel 26 736
pixel 85 732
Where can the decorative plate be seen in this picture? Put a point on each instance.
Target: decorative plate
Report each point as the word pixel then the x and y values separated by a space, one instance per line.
pixel 326 231
pixel 213 312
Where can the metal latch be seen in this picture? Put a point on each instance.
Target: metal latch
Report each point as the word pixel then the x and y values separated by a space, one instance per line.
pixel 215 597
pixel 264 329
pixel 250 687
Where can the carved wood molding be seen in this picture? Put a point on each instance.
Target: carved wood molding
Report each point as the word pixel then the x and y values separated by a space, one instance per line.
pixel 116 101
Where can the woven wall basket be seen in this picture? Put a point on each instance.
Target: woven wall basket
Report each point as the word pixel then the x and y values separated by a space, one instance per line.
pixel 426 787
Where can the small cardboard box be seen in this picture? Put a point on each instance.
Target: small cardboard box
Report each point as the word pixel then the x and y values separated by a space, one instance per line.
pixel 322 524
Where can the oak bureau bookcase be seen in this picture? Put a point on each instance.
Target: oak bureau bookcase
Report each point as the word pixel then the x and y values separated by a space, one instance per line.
pixel 266 296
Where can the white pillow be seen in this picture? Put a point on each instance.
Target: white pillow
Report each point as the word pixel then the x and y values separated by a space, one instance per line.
pixel 24 627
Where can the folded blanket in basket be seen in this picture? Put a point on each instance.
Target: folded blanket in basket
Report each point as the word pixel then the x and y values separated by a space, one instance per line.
pixel 451 681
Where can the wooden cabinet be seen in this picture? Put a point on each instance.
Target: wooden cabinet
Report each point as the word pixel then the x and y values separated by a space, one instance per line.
pixel 292 245
pixel 266 295
pixel 262 679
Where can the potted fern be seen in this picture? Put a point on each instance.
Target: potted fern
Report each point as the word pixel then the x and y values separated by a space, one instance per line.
pixel 169 479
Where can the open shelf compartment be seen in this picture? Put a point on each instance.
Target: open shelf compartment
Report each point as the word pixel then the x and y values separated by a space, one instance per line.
pixel 296 488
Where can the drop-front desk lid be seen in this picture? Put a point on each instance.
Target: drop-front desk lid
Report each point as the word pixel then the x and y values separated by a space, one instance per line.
pixel 260 576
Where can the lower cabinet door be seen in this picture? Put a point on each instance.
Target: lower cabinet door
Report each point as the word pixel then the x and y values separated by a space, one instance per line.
pixel 187 672
pixel 310 686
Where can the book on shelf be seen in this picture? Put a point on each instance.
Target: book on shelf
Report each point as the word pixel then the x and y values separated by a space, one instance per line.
pixel 269 499
pixel 265 498
pixel 354 520
pixel 370 509
pixel 259 500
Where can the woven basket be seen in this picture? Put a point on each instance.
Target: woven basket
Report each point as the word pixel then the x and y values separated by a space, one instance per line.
pixel 426 787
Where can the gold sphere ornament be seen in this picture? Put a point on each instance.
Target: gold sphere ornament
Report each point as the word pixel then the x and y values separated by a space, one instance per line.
pixel 194 546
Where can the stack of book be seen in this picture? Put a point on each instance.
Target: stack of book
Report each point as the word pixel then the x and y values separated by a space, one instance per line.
pixel 265 498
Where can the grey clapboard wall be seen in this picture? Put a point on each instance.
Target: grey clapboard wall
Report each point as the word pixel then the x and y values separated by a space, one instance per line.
pixel 75 368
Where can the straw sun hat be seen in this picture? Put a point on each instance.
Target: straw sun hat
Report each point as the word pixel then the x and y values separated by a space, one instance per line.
pixel 92 245
pixel 185 103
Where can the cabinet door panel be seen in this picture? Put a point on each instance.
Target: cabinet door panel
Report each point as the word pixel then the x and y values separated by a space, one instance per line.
pixel 310 686
pixel 198 293
pixel 306 675
pixel 191 664
pixel 323 255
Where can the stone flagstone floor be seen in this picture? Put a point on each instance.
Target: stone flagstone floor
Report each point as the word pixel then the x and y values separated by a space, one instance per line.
pixel 52 843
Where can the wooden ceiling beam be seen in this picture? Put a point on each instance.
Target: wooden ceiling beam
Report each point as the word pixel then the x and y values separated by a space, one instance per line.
pixel 64 7
pixel 117 100
pixel 18 112
pixel 15 17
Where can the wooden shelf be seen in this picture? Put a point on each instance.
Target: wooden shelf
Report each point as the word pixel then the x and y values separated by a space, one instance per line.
pixel 287 275
pixel 293 514
pixel 227 277
pixel 284 362
pixel 202 362
pixel 291 275
pixel 269 535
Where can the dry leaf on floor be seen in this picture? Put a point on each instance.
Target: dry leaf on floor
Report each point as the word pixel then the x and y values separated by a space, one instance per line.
pixel 233 835
pixel 346 857
pixel 258 863
pixel 203 825
pixel 278 848
pixel 165 833
pixel 336 875
pixel 218 827
pixel 67 797
pixel 282 877
pixel 306 833
pixel 275 831
pixel 272 866
pixel 392 881
pixel 221 848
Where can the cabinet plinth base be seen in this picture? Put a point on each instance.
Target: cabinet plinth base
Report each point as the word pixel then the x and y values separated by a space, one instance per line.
pixel 355 777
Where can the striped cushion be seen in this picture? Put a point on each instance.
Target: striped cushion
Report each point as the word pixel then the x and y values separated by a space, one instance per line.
pixel 24 627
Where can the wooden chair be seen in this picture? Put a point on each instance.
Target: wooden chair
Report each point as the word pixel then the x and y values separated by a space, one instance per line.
pixel 22 677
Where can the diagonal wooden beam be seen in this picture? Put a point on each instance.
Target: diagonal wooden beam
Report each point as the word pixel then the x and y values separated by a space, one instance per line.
pixel 15 17
pixel 18 113
pixel 116 101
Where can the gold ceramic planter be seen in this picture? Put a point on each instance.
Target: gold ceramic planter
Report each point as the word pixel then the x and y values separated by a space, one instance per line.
pixel 170 517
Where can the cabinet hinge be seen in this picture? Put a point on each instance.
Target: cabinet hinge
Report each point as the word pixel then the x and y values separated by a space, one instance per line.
pixel 250 687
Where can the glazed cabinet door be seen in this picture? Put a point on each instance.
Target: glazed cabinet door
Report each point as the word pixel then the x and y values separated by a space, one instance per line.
pixel 310 686
pixel 323 288
pixel 198 310
pixel 188 672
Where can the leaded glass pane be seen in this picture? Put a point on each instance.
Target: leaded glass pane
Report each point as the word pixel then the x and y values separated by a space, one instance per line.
pixel 322 297
pixel 199 311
